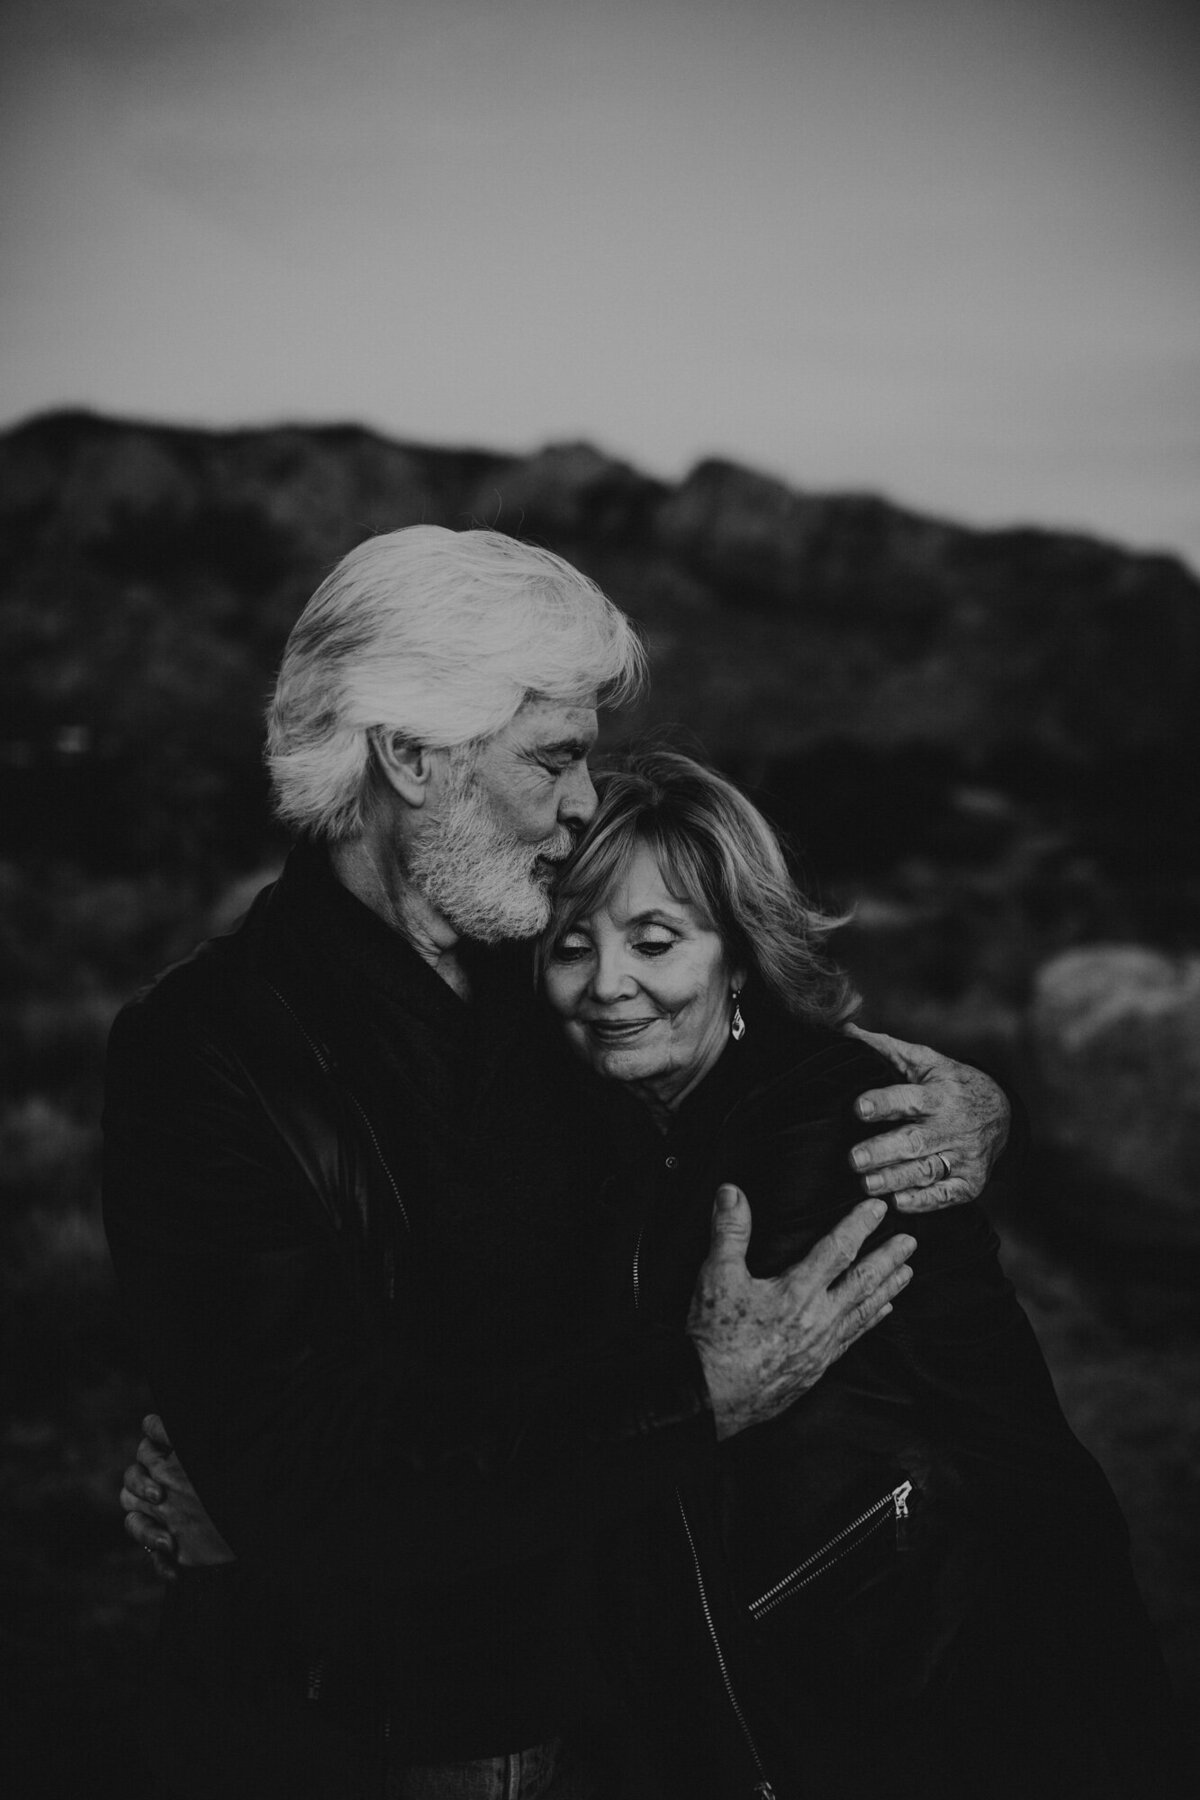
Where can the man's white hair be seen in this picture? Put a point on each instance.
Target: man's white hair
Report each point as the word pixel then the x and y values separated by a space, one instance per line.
pixel 439 635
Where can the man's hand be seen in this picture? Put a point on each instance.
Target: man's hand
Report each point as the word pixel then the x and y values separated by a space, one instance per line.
pixel 162 1509
pixel 947 1155
pixel 763 1343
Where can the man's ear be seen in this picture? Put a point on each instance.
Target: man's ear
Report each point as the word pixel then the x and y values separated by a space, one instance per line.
pixel 408 768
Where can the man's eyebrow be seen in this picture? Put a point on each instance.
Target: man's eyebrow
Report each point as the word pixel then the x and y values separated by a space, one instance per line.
pixel 573 747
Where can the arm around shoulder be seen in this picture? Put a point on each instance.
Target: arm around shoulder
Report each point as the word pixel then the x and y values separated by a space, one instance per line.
pixel 314 1441
pixel 958 1121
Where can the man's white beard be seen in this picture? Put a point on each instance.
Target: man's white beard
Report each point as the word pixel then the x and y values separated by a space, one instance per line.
pixel 485 882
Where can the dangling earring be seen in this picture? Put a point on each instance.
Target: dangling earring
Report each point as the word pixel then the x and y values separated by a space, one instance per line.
pixel 737 1025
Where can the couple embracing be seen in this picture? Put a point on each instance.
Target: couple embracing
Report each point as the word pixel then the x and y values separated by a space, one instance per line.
pixel 559 1421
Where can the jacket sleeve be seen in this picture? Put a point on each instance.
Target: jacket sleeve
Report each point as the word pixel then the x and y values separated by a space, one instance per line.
pixel 322 1452
pixel 961 1347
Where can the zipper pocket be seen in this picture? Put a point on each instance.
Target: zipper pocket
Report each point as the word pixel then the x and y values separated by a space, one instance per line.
pixel 762 1788
pixel 893 1505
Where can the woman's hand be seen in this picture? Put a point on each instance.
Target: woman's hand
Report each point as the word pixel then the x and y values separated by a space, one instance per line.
pixel 961 1125
pixel 163 1513
pixel 763 1343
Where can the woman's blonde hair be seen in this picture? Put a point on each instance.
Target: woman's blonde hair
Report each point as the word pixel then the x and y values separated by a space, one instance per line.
pixel 717 852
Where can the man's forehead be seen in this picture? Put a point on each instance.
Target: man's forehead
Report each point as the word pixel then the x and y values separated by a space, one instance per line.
pixel 552 724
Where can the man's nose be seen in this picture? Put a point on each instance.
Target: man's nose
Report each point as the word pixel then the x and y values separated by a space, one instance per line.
pixel 578 801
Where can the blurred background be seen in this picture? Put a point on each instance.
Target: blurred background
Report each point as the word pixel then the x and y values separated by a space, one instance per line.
pixel 854 348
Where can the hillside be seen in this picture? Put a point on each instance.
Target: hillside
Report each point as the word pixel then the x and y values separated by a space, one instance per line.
pixel 150 575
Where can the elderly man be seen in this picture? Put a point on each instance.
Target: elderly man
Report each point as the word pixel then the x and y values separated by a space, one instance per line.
pixel 367 1268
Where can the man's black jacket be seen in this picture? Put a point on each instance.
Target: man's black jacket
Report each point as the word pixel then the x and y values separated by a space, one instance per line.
pixel 351 1224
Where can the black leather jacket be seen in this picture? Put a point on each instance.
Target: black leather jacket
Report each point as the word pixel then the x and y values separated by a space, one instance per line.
pixel 369 1285
pixel 776 1618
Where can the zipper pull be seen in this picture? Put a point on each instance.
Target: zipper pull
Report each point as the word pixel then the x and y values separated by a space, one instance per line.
pixel 900 1502
pixel 763 1790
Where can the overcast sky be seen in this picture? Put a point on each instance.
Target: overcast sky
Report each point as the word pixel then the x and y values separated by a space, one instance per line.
pixel 948 250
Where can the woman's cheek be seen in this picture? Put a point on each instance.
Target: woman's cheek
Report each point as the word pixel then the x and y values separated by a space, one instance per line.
pixel 559 995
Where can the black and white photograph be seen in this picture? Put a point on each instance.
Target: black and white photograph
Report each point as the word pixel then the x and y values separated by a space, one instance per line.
pixel 600 899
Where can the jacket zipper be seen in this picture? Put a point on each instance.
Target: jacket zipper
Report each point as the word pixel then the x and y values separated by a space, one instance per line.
pixel 762 1786
pixel 382 1162
pixel 326 1069
pixel 895 1504
pixel 316 1668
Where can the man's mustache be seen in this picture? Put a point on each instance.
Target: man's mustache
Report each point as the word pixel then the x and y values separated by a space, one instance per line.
pixel 560 848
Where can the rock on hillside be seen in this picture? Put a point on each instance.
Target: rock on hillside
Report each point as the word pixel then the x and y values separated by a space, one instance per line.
pixel 1117 1036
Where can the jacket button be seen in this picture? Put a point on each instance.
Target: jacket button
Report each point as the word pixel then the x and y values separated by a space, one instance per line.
pixel 672 1162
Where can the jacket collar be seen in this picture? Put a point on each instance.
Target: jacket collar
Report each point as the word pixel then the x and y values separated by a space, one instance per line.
pixel 774 1047
pixel 340 936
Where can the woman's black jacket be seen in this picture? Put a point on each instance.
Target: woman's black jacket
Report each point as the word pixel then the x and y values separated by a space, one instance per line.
pixel 784 1618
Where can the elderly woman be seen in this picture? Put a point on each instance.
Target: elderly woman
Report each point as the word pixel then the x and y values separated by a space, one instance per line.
pixel 917 1577
pixel 915 1580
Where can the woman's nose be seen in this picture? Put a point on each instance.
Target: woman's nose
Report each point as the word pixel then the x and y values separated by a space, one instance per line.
pixel 611 978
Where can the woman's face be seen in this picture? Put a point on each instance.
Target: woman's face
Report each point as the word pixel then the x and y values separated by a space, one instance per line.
pixel 643 986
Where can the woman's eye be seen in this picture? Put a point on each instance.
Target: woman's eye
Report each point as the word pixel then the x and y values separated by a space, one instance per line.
pixel 654 946
pixel 567 953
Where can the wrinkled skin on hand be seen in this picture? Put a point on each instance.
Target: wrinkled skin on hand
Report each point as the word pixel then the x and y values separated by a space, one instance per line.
pixel 163 1513
pixel 954 1112
pixel 764 1343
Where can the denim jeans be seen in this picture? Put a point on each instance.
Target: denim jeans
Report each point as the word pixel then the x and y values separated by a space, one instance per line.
pixel 207 1736
pixel 545 1772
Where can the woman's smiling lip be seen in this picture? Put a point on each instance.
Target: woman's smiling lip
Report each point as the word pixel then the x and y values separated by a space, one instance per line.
pixel 617 1028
